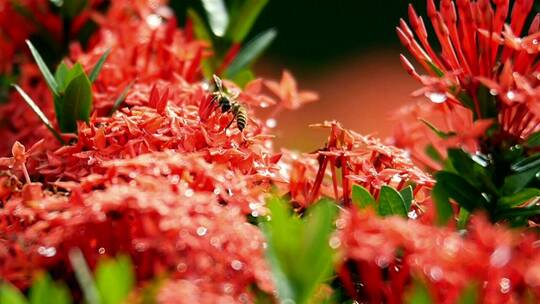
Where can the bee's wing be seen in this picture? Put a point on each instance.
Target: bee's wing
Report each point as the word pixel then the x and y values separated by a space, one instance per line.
pixel 218 83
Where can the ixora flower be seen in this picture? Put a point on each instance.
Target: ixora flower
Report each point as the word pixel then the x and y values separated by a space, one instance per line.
pixel 487 65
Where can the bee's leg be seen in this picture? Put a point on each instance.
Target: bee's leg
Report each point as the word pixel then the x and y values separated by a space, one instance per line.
pixel 232 120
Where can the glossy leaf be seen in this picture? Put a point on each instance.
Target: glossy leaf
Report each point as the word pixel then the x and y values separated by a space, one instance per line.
pixel 408 196
pixel 533 140
pixel 10 294
pixel 442 204
pixel 217 14
pixel 121 98
pixel 529 163
pixel 520 197
pixel 362 198
pixel 515 183
pixel 115 279
pixel 512 213
pixel 251 51
pixel 45 290
pixel 60 74
pixel 391 202
pixel 76 104
pixel 460 190
pixel 38 112
pixel 49 78
pixel 242 21
pixel 97 68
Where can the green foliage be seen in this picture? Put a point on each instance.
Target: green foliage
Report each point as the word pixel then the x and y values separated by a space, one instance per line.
pixel 391 202
pixel 250 52
pixel 121 98
pixel 43 291
pixel 115 279
pixel 298 248
pixel 10 294
pixel 418 294
pixel 243 18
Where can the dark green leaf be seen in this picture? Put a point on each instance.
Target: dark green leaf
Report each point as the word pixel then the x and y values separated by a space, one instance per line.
pixel 487 103
pixel 10 294
pixel 251 51
pixel 49 78
pixel 38 112
pixel 531 162
pixel 418 294
pixel 121 98
pixel 391 202
pixel 76 104
pixel 512 213
pixel 44 290
pixel 515 183
pixel 520 197
pixel 442 204
pixel 72 8
pixel 460 190
pixel 434 154
pixel 407 195
pixel 435 130
pixel 469 295
pixel 472 168
pixel 84 276
pixel 218 18
pixel 362 198
pixel 242 22
pixel 115 279
pixel 533 140
pixel 463 218
pixel 199 26
pixel 97 68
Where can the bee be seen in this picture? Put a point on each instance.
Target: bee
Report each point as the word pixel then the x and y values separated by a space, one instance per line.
pixel 227 103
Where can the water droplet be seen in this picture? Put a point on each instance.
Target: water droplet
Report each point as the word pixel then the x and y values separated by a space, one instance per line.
pixel 382 262
pixel 412 214
pixel 236 265
pixel 505 285
pixel 217 191
pixel 535 42
pixel 101 250
pixel 493 92
pixel 264 104
pixel 153 21
pixel 511 95
pixel 201 231
pixel 436 97
pixel 189 193
pixel 271 123
pixel 340 223
pixel 436 273
pixel 181 267
pixel 500 256
pixel 334 242
pixel 228 288
pixel 47 251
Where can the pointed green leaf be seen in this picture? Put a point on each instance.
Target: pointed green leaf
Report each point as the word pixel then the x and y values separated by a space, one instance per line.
pixel 515 183
pixel 418 294
pixel 512 213
pixel 442 204
pixel 461 191
pixel 49 78
pixel 435 130
pixel 533 140
pixel 243 77
pixel 531 162
pixel 520 197
pixel 251 51
pixel 60 75
pixel 115 279
pixel 199 26
pixel 391 202
pixel 121 98
pixel 97 68
pixel 45 290
pixel 218 18
pixel 463 218
pixel 242 22
pixel 10 294
pixel 77 103
pixel 408 196
pixel 434 154
pixel 39 113
pixel 362 198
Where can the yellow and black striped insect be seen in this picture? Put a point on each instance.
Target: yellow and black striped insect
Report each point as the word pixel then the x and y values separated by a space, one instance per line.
pixel 227 103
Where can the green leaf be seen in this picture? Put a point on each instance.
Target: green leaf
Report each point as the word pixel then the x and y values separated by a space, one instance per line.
pixel 515 183
pixel 60 74
pixel 362 198
pixel 298 248
pixel 469 295
pixel 84 276
pixel 463 218
pixel 473 169
pixel 520 197
pixel 72 8
pixel 408 196
pixel 435 130
pixel 218 18
pixel 531 162
pixel 49 78
pixel 243 77
pixel 434 154
pixel 115 279
pixel 39 113
pixel 76 104
pixel 461 191
pixel 10 294
pixel 391 202
pixel 121 98
pixel 242 22
pixel 199 26
pixel 418 294
pixel 251 51
pixel 97 68
pixel 44 290
pixel 442 204
pixel 533 140
pixel 512 213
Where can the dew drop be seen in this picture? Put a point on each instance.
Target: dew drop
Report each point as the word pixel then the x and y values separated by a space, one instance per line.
pixel 535 42
pixel 436 273
pixel 271 123
pixel 493 92
pixel 189 193
pixel 228 288
pixel 436 97
pixel 201 231
pixel 511 95
pixel 101 250
pixel 334 242
pixel 153 21
pixel 236 265
pixel 505 285
pixel 412 215
pixel 47 251
pixel 264 104
pixel 500 256
pixel 181 267
pixel 340 224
